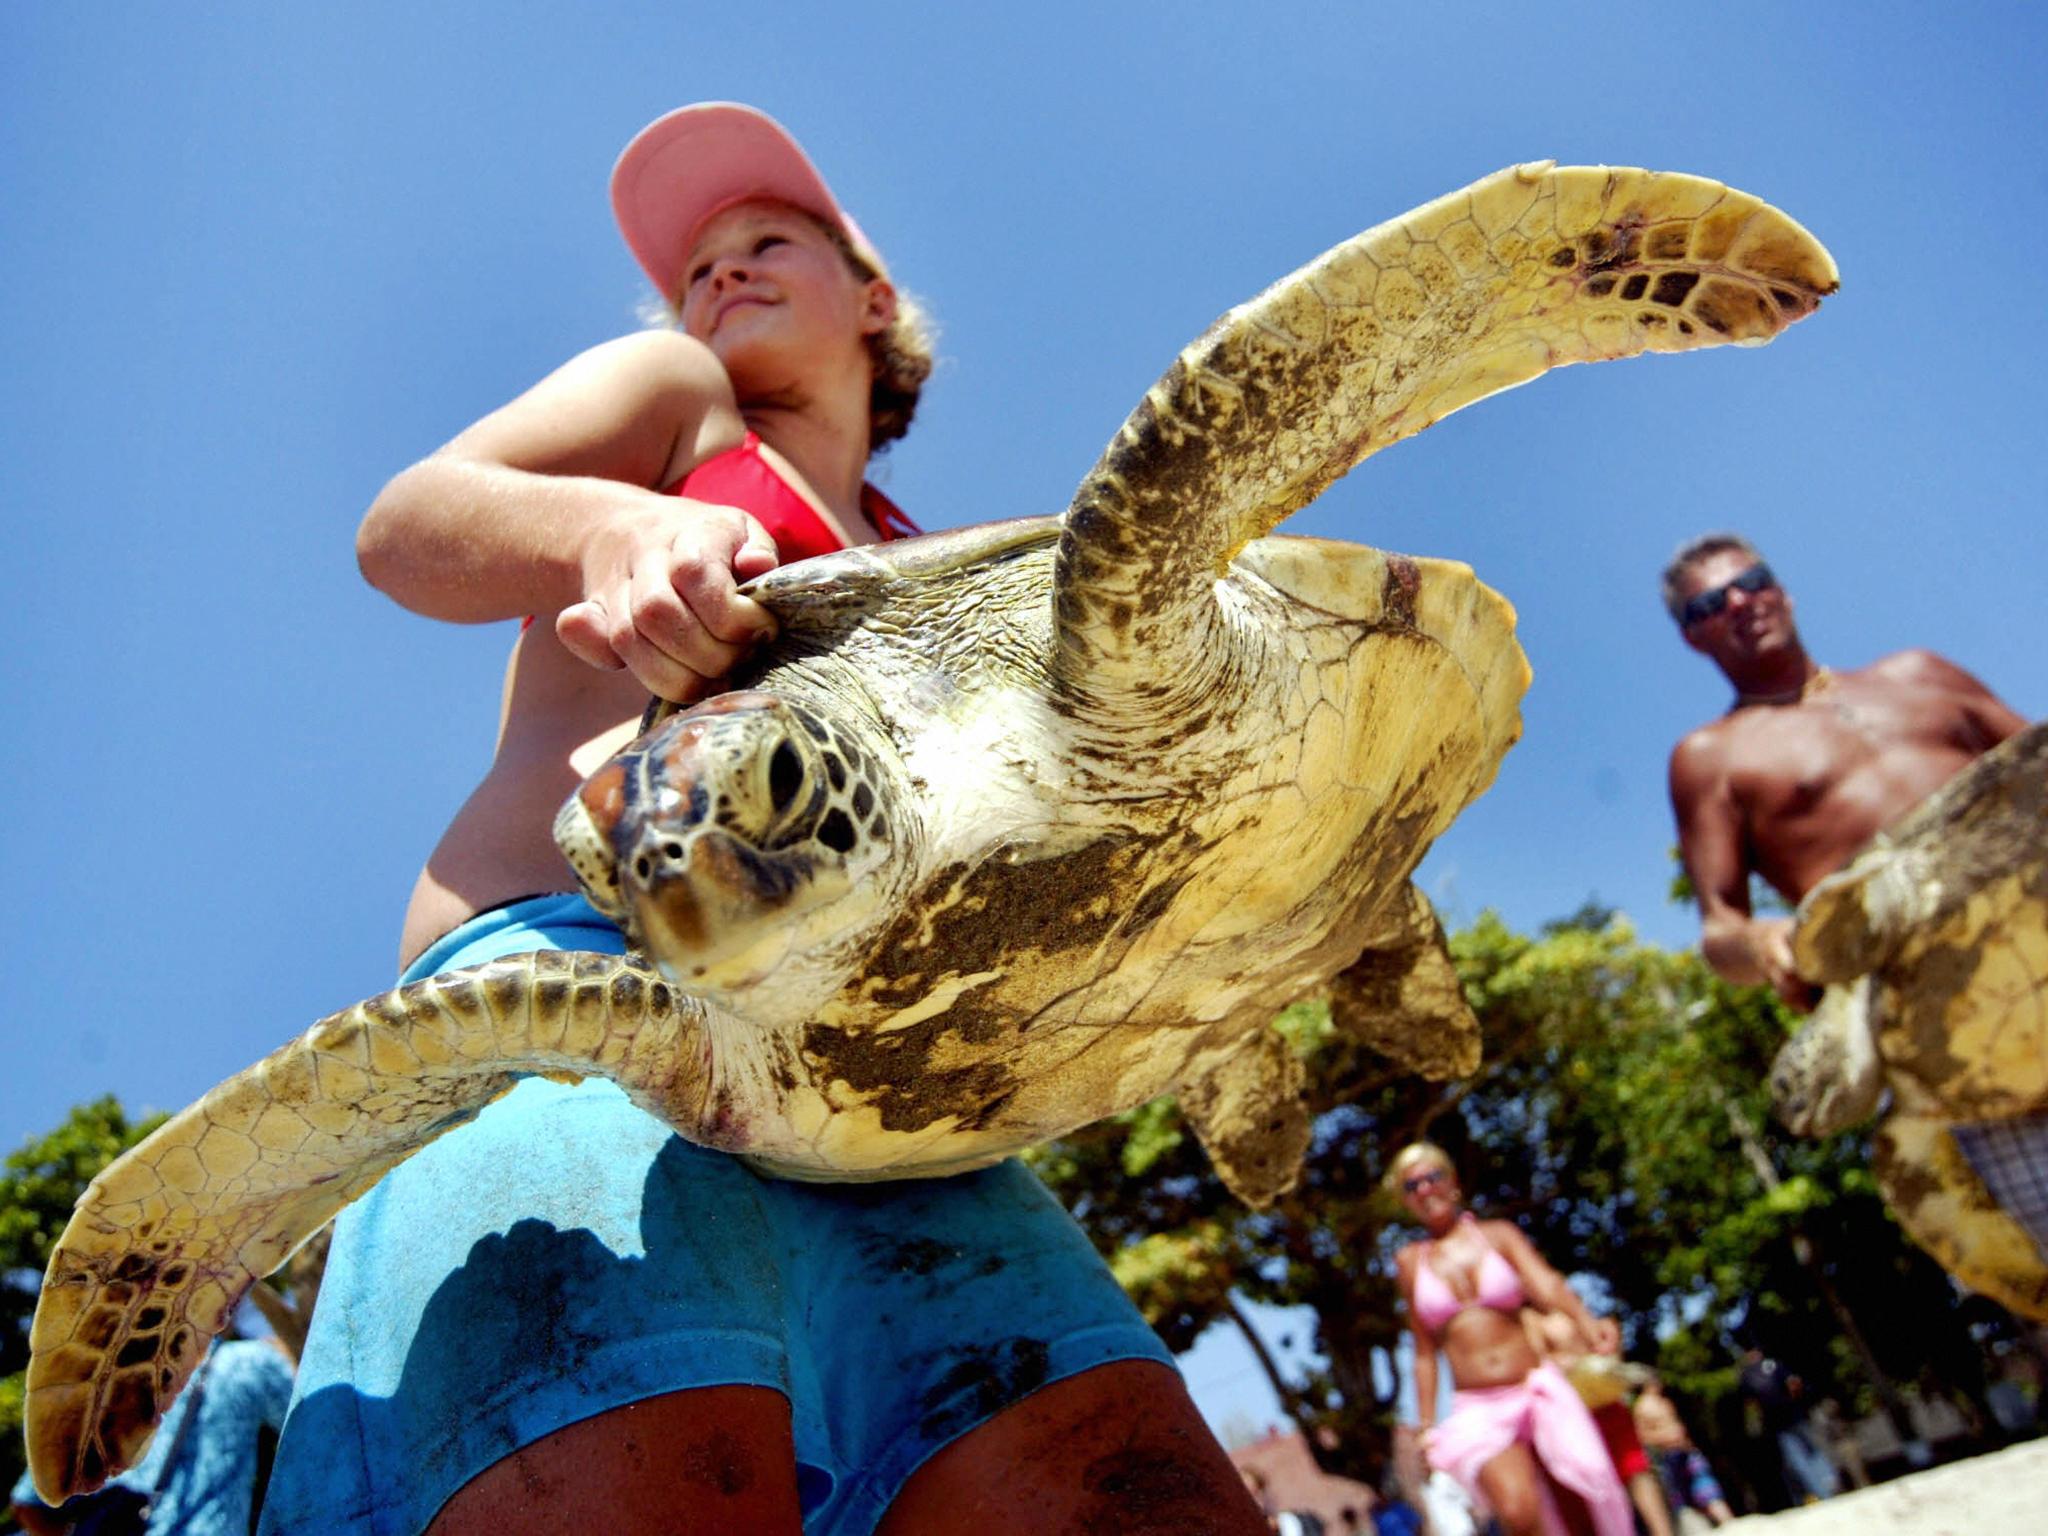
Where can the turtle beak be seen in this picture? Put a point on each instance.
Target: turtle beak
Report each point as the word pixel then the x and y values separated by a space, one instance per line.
pixel 723 840
pixel 583 831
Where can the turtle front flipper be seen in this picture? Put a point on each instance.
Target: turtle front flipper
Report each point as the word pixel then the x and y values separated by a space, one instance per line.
pixel 1481 290
pixel 1858 918
pixel 1402 998
pixel 168 1238
pixel 1830 1076
pixel 1965 859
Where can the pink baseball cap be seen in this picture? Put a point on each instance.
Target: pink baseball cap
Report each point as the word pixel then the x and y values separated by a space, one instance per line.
pixel 700 160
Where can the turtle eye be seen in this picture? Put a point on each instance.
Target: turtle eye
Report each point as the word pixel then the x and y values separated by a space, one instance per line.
pixel 785 777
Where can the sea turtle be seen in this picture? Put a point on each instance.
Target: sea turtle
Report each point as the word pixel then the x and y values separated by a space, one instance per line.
pixel 1012 828
pixel 1934 940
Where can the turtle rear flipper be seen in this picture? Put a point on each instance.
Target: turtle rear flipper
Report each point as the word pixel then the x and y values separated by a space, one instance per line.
pixel 1476 292
pixel 1248 1113
pixel 169 1237
pixel 1858 918
pixel 1402 997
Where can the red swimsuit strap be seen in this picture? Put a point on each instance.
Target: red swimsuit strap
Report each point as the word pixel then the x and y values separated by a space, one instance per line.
pixel 743 477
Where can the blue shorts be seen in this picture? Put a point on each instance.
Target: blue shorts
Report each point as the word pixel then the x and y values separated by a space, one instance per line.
pixel 565 1253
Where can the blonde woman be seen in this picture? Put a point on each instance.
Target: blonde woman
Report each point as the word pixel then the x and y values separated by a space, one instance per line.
pixel 1517 1436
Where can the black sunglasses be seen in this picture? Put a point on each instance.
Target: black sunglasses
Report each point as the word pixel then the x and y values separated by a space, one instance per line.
pixel 1415 1183
pixel 1702 606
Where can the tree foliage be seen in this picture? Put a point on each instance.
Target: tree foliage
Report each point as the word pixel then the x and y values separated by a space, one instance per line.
pixel 1620 1117
pixel 41 1183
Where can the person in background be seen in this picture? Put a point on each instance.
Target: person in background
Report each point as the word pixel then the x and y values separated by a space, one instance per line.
pixel 1600 1380
pixel 1807 765
pixel 1688 1480
pixel 1391 1513
pixel 1780 1398
pixel 1517 1437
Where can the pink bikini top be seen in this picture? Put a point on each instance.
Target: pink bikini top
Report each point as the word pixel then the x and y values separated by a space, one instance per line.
pixel 743 477
pixel 1499 1287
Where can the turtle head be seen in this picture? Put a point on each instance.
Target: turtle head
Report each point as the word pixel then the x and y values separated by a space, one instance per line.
pixel 735 838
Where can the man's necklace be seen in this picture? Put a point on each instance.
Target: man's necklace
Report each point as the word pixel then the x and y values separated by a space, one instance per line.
pixel 1822 680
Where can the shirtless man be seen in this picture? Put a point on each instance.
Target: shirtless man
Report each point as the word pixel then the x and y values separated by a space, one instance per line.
pixel 1807 763
pixel 1804 768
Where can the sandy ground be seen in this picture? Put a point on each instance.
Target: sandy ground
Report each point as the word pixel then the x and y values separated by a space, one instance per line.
pixel 2006 1491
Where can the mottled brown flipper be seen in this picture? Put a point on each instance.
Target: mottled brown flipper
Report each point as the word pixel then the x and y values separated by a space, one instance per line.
pixel 1402 997
pixel 168 1238
pixel 1483 289
pixel 1829 1076
pixel 1933 870
pixel 1248 1113
pixel 1948 912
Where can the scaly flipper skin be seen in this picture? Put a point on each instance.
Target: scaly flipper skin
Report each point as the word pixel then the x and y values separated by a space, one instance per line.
pixel 1888 904
pixel 1248 1113
pixel 1481 290
pixel 1402 998
pixel 1947 912
pixel 1829 1076
pixel 167 1239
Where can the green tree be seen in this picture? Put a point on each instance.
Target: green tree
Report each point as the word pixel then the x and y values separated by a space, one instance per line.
pixel 41 1183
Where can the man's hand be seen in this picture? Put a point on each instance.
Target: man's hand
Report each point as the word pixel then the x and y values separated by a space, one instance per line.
pixel 1606 1336
pixel 1770 941
pixel 661 596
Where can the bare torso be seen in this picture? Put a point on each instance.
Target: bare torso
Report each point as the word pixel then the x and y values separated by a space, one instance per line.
pixel 1814 780
pixel 1791 788
pixel 1484 1346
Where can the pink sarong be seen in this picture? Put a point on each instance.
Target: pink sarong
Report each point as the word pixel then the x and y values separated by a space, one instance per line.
pixel 1544 1412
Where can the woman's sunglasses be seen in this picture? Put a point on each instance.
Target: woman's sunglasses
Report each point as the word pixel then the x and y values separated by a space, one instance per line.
pixel 1416 1183
pixel 1702 606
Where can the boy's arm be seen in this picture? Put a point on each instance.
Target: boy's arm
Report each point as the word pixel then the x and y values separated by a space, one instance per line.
pixel 551 506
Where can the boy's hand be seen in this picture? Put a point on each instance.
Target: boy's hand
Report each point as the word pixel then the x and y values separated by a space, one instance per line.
pixel 661 597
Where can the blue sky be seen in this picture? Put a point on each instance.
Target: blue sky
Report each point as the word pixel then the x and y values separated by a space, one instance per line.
pixel 256 258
